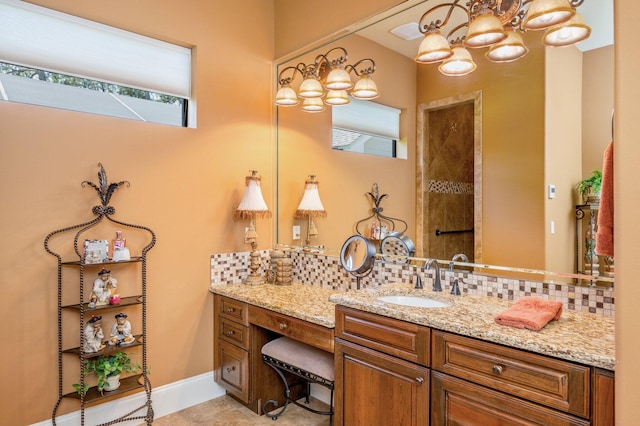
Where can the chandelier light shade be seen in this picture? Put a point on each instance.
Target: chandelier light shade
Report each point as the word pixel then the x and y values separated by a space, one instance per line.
pixel 433 48
pixel 337 97
pixel 365 88
pixel 509 49
pixel 286 96
pixel 338 79
pixel 543 14
pixel 460 63
pixel 310 88
pixel 484 30
pixel 328 77
pixel 496 25
pixel 310 207
pixel 252 206
pixel 313 105
pixel 569 33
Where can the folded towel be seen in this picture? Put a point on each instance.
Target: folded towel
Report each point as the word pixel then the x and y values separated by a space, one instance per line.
pixel 532 313
pixel 604 236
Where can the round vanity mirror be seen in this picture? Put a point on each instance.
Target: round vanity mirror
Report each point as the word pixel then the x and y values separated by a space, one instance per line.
pixel 397 244
pixel 357 255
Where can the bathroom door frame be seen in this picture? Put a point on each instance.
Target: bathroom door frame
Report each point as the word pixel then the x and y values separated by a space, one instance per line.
pixel 422 177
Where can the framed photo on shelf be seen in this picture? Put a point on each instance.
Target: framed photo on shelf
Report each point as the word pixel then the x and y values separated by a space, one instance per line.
pixel 96 251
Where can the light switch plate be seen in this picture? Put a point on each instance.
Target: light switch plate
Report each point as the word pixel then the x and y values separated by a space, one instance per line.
pixel 296 232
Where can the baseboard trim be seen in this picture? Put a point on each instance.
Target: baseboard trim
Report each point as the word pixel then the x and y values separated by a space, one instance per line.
pixel 165 399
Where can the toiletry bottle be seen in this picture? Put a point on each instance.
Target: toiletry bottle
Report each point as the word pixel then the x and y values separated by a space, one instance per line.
pixel 118 243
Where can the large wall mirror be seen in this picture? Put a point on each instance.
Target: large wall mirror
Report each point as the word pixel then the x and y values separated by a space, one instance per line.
pixel 544 120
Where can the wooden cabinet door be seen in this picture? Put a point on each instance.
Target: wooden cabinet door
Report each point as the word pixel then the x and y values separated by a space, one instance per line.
pixel 373 388
pixel 233 372
pixel 455 402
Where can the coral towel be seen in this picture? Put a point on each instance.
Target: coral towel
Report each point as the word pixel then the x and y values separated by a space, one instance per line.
pixel 532 313
pixel 604 236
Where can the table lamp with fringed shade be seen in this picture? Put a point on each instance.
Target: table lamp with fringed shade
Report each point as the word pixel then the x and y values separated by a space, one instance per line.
pixel 251 207
pixel 310 207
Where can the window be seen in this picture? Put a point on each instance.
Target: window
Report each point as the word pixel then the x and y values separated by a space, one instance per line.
pixel 366 127
pixel 57 60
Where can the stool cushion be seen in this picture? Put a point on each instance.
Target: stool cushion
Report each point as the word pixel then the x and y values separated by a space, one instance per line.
pixel 301 355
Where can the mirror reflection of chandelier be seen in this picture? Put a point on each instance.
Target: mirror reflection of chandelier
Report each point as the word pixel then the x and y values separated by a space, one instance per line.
pixel 329 77
pixel 497 24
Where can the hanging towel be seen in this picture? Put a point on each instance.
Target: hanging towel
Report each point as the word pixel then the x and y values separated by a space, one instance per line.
pixel 531 313
pixel 604 235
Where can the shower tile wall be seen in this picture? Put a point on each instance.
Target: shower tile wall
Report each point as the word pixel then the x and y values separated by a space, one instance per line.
pixel 450 170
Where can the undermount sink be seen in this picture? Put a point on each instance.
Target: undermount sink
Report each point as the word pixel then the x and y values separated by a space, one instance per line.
pixel 413 301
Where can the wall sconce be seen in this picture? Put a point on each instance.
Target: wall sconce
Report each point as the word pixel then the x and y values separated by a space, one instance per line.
pixel 251 207
pixel 328 78
pixel 310 207
pixel 496 24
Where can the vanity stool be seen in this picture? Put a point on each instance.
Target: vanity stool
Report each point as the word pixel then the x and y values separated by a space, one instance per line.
pixel 311 364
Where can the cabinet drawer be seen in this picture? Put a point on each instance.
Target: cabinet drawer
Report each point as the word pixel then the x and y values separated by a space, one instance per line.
pixel 232 309
pixel 391 336
pixel 558 384
pixel 233 372
pixel 303 331
pixel 234 333
pixel 456 402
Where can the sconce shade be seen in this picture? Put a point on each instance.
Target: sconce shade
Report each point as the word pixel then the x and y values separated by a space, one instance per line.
pixel 252 204
pixel 313 105
pixel 338 79
pixel 365 88
pixel 484 30
pixel 460 63
pixel 433 48
pixel 569 33
pixel 509 49
pixel 310 88
pixel 286 96
pixel 337 97
pixel 310 205
pixel 547 13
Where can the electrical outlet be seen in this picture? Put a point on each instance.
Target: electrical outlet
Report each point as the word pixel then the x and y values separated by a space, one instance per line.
pixel 296 232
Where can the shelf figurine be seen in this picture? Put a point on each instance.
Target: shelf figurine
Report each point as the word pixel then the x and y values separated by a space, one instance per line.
pixel 121 331
pixel 93 335
pixel 102 288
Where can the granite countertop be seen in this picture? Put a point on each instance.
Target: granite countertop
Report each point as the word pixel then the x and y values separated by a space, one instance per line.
pixel 305 302
pixel 579 337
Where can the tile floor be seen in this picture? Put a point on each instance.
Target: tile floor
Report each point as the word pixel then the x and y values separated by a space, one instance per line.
pixel 228 412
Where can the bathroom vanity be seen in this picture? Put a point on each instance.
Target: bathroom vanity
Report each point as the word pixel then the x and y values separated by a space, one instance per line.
pixel 415 366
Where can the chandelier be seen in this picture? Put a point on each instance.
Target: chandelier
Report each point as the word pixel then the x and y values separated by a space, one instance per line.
pixel 497 24
pixel 329 78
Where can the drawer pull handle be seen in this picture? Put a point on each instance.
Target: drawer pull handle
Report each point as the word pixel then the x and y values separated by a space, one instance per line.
pixel 419 380
pixel 230 310
pixel 497 370
pixel 230 369
pixel 283 326
pixel 230 333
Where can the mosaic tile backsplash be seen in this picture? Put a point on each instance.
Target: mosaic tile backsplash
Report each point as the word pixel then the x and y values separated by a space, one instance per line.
pixel 326 272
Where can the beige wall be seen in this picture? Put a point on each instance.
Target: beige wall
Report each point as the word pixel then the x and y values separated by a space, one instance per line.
pixel 563 154
pixel 627 205
pixel 512 159
pixel 304 143
pixel 184 185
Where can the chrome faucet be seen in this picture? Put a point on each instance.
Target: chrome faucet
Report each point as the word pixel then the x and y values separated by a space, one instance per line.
pixel 455 288
pixel 418 282
pixel 460 256
pixel 436 282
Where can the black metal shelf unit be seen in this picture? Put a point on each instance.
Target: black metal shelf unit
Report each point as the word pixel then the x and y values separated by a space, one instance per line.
pixel 82 310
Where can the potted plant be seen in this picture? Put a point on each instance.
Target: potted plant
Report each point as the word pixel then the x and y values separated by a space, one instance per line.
pixel 107 369
pixel 589 187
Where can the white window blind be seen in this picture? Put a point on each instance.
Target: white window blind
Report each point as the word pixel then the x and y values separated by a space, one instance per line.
pixel 367 117
pixel 42 38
